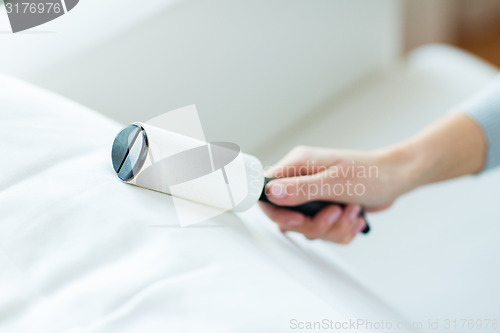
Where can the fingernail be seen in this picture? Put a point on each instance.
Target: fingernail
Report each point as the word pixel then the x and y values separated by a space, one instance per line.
pixel 355 212
pixel 294 223
pixel 334 216
pixel 277 190
pixel 360 227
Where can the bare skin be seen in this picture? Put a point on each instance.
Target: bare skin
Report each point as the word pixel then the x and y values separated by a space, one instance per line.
pixel 453 146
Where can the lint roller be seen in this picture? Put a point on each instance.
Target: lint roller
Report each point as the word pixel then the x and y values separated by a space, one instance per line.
pixel 169 154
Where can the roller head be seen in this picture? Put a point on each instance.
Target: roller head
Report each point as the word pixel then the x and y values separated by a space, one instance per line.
pixel 129 151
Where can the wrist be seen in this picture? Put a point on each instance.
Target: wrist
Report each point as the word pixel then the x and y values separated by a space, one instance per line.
pixel 406 168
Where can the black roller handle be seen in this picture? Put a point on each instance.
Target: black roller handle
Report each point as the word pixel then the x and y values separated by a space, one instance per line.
pixel 309 208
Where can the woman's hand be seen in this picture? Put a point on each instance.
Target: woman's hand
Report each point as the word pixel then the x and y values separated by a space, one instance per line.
pixel 359 179
pixel 451 147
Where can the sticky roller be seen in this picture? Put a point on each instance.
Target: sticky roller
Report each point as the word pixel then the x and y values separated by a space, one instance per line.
pixel 169 154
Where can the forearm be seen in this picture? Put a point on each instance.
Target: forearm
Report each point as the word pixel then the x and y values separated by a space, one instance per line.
pixel 459 144
pixel 452 147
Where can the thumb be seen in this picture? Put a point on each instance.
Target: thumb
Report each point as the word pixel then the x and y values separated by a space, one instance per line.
pixel 301 160
pixel 326 185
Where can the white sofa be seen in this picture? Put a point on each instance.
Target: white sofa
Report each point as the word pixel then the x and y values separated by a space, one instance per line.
pixel 81 251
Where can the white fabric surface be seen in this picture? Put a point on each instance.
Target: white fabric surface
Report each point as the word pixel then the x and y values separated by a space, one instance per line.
pixel 81 251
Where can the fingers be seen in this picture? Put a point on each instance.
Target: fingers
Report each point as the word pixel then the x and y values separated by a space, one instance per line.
pixel 356 177
pixel 316 227
pixel 331 223
pixel 294 191
pixel 347 227
pixel 360 226
pixel 284 217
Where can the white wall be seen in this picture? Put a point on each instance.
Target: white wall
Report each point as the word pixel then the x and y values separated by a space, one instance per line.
pixel 252 67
